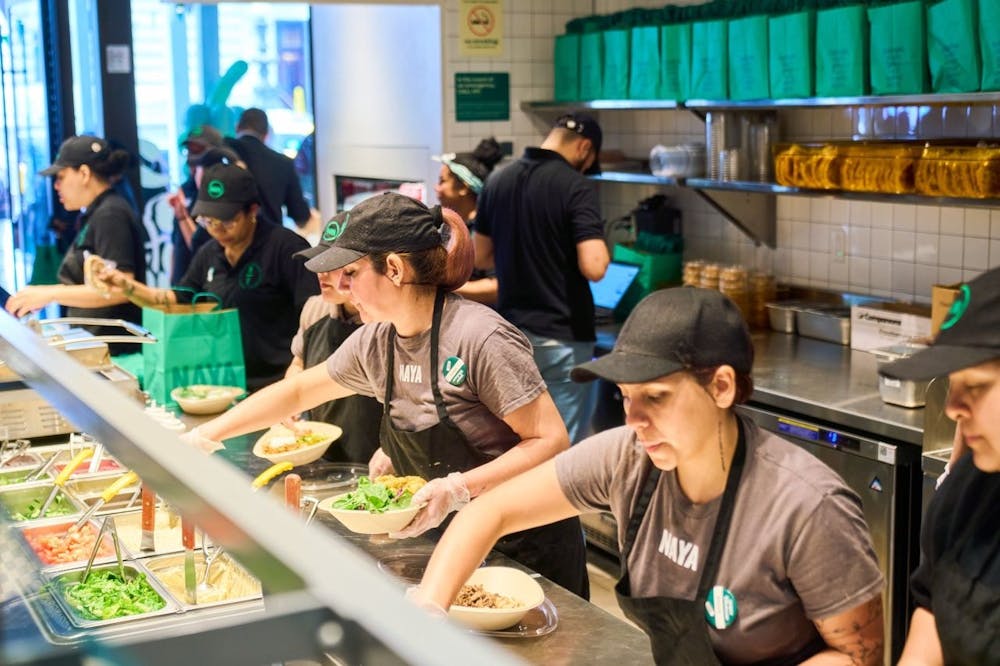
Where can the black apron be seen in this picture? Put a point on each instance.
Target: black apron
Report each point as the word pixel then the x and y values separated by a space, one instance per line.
pixel 556 551
pixel 678 628
pixel 358 415
pixel 965 607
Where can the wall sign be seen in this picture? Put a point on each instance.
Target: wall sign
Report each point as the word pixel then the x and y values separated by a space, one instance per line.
pixel 480 27
pixel 482 96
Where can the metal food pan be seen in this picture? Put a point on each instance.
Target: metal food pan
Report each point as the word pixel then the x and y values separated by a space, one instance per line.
pixel 830 324
pixel 61 526
pixel 225 571
pixel 782 316
pixel 166 537
pixel 19 498
pixel 58 580
pixel 88 490
pixel 14 477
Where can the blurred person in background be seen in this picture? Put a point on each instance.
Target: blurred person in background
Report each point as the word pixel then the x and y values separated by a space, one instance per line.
pixel 186 236
pixel 459 183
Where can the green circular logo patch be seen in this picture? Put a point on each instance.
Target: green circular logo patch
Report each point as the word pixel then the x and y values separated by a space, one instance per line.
pixel 958 307
pixel 333 229
pixel 454 371
pixel 215 188
pixel 252 276
pixel 720 607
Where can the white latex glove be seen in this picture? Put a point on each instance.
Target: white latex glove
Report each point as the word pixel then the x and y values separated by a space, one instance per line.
pixel 379 464
pixel 194 438
pixel 441 496
pixel 416 596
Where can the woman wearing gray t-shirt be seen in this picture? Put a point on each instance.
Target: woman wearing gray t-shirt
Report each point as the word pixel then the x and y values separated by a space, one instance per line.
pixel 737 546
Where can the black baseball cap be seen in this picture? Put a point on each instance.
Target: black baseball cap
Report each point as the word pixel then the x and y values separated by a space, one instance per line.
pixel 225 190
pixel 77 151
pixel 671 330
pixel 331 230
pixel 969 335
pixel 586 126
pixel 389 222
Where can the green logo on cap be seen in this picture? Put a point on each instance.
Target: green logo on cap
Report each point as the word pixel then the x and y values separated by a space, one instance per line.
pixel 215 188
pixel 252 276
pixel 958 307
pixel 454 371
pixel 333 229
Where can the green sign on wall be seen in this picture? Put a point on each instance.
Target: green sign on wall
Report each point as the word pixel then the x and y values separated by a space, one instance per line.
pixel 482 96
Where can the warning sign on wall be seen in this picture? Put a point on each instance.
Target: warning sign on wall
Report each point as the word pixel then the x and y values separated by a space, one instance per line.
pixel 480 29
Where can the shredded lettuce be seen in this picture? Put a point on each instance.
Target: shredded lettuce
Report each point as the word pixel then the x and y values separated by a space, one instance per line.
pixel 374 497
pixel 106 596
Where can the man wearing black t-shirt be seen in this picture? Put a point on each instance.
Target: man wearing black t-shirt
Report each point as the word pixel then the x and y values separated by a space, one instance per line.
pixel 539 226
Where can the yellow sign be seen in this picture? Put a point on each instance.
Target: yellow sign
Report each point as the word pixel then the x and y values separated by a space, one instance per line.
pixel 480 29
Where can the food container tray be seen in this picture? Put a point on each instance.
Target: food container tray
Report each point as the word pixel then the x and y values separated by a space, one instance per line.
pixel 807 165
pixel 88 490
pixel 831 324
pixel 20 499
pixel 11 477
pixel 56 581
pixel 23 461
pixel 106 466
pixel 166 533
pixel 857 166
pixel 225 573
pixel 959 171
pixel 901 392
pixel 782 316
pixel 31 532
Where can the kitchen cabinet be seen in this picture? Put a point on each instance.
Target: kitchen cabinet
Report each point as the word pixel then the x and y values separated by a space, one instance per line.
pixel 751 205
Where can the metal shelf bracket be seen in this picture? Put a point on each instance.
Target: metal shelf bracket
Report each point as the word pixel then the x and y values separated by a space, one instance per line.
pixel 752 212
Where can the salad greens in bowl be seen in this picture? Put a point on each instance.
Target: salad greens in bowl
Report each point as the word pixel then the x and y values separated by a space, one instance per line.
pixel 376 507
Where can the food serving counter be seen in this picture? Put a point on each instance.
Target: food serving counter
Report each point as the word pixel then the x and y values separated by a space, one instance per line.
pixel 325 597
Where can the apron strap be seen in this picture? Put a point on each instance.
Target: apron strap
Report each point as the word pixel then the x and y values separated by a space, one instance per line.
pixel 639 512
pixel 725 517
pixel 391 369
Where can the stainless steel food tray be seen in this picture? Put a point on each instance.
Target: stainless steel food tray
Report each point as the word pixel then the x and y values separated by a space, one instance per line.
pixel 52 523
pixel 16 500
pixel 832 324
pixel 156 565
pixel 55 581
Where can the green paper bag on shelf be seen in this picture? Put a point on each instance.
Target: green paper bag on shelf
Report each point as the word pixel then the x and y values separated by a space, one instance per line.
pixel 616 54
pixel 591 65
pixel 989 43
pixel 196 344
pixel 898 49
pixel 790 55
pixel 710 60
pixel 644 64
pixel 953 46
pixel 748 78
pixel 675 61
pixel 842 53
pixel 567 67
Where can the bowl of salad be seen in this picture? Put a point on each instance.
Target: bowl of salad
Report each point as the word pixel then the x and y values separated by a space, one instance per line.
pixel 306 443
pixel 205 398
pixel 377 506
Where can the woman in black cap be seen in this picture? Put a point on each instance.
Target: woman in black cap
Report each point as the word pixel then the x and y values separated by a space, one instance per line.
pixel 957 585
pixel 459 183
pixel 84 170
pixel 249 266
pixel 737 546
pixel 465 405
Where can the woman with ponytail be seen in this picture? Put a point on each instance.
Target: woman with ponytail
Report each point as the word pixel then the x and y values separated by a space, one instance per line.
pixel 464 404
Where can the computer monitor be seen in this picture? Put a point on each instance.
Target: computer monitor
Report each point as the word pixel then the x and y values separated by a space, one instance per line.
pixel 610 289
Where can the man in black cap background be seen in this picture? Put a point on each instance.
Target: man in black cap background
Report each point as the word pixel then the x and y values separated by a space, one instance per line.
pixel 957 585
pixel 539 226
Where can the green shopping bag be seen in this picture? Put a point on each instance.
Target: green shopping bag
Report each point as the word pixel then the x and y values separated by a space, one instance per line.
pixel 591 65
pixel 567 67
pixel 197 343
pixel 644 64
pixel 748 78
pixel 989 43
pixel 616 55
pixel 710 59
pixel 842 53
pixel 790 53
pixel 675 61
pixel 953 46
pixel 898 49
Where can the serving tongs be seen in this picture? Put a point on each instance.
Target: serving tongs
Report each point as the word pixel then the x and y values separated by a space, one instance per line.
pixel 11 449
pixel 109 494
pixel 64 475
pixel 107 525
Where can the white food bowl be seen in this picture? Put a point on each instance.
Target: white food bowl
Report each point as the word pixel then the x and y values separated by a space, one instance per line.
pixel 215 400
pixel 509 582
pixel 366 522
pixel 303 454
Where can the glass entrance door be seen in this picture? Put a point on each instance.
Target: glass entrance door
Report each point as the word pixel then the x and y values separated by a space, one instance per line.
pixel 25 208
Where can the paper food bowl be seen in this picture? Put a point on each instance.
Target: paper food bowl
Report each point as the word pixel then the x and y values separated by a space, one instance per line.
pixel 366 522
pixel 208 399
pixel 300 455
pixel 509 582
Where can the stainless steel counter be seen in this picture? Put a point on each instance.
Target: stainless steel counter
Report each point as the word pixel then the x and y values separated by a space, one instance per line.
pixel 829 382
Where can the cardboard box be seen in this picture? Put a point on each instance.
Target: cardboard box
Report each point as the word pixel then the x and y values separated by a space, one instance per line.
pixel 942 296
pixel 875 325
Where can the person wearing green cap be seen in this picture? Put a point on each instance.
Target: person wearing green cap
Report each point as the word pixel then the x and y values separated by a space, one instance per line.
pixel 956 587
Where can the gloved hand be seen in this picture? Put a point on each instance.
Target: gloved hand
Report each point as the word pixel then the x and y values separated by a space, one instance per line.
pixel 379 464
pixel 416 596
pixel 442 496
pixel 199 441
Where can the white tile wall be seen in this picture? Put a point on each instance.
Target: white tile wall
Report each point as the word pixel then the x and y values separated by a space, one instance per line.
pixel 891 249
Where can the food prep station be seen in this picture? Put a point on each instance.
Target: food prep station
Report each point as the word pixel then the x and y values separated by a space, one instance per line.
pixel 327 596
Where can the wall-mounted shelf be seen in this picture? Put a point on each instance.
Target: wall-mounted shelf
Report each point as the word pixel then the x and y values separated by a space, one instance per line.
pixel 602 104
